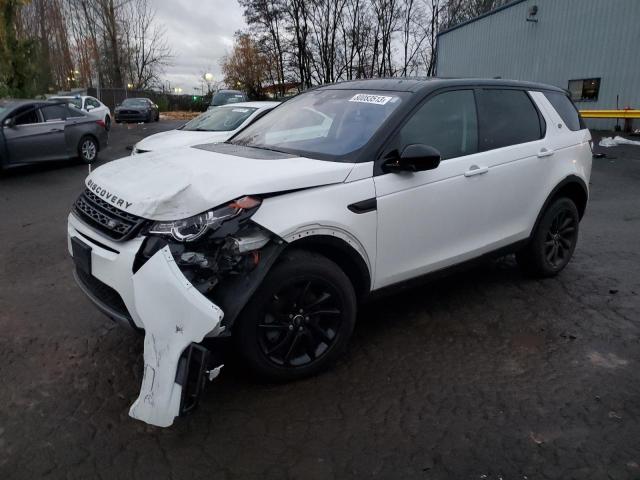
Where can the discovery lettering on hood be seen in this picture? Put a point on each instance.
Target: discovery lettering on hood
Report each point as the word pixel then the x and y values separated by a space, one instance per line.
pixel 177 183
pixel 108 196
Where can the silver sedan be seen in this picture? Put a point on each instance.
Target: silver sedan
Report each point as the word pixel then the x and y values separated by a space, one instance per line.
pixel 39 131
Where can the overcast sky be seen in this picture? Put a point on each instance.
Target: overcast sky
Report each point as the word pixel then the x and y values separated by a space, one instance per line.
pixel 200 33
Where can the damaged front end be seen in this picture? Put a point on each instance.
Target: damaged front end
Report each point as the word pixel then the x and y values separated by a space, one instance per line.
pixel 221 253
pixel 187 280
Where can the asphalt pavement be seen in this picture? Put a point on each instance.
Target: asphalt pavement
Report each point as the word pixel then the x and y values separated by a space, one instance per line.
pixel 484 374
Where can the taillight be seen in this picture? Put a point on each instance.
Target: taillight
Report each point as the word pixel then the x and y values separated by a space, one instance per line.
pixel 101 123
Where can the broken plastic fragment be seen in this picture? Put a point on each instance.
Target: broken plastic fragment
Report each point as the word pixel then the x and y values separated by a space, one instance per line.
pixel 213 373
pixel 174 314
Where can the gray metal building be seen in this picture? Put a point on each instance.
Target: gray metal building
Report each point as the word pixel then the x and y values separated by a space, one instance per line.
pixel 590 47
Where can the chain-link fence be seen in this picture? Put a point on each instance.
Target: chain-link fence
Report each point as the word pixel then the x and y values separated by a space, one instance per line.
pixel 167 102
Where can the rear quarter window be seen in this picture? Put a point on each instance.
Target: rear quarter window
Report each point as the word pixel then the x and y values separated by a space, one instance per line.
pixel 507 117
pixel 52 113
pixel 566 109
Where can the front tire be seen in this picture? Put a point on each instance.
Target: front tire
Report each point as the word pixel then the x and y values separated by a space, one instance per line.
pixel 299 320
pixel 88 149
pixel 553 241
pixel 107 123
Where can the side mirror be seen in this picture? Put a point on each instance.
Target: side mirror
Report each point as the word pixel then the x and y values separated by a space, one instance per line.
pixel 9 122
pixel 416 157
pixel 90 107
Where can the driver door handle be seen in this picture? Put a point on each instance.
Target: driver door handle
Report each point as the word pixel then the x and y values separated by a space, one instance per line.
pixel 55 130
pixel 475 170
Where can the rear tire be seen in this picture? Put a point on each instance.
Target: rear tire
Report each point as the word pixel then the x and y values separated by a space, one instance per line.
pixel 299 320
pixel 158 117
pixel 553 242
pixel 88 149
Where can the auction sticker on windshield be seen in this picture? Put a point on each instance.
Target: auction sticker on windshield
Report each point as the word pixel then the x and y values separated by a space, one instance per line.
pixel 366 98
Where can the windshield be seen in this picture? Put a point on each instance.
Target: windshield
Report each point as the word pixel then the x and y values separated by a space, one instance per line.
pixel 74 102
pixel 322 123
pixel 222 98
pixel 219 119
pixel 135 102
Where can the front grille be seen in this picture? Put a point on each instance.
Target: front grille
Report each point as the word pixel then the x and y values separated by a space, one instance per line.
pixel 105 217
pixel 103 293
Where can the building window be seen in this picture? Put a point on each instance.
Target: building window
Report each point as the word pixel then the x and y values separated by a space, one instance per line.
pixel 584 90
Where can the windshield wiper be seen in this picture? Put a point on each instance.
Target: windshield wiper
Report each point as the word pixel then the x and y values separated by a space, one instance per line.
pixel 260 147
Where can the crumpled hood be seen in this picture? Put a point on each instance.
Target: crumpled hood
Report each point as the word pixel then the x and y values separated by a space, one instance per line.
pixel 181 138
pixel 181 182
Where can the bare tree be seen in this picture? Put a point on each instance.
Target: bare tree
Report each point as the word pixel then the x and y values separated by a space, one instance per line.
pixel 414 34
pixel 146 49
pixel 320 41
pixel 268 15
pixel 298 18
pixel 387 15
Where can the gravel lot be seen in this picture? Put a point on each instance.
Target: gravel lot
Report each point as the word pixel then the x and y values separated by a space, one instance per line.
pixel 480 375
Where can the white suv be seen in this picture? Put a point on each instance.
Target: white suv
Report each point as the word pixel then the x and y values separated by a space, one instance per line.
pixel 275 236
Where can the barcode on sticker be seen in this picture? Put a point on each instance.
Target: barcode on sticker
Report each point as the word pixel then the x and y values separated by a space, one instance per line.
pixel 366 98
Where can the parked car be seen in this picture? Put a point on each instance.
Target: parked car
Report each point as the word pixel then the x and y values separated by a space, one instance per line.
pixel 137 110
pixel 274 237
pixel 215 125
pixel 39 131
pixel 223 97
pixel 89 104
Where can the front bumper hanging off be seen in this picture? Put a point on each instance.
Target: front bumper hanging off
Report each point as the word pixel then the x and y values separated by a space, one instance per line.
pixel 173 313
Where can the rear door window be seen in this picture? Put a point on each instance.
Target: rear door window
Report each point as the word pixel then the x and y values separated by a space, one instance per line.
pixel 54 113
pixel 566 109
pixel 507 117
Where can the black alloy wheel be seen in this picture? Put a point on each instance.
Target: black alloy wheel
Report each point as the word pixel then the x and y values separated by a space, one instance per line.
pixel 299 320
pixel 553 241
pixel 561 239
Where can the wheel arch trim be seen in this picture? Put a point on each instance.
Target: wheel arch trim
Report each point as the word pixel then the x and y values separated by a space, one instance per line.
pixel 340 246
pixel 570 180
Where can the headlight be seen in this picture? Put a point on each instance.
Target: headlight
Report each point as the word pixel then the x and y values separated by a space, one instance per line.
pixel 192 228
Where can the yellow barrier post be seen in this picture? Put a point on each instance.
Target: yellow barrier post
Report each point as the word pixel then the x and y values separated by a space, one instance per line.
pixel 626 113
